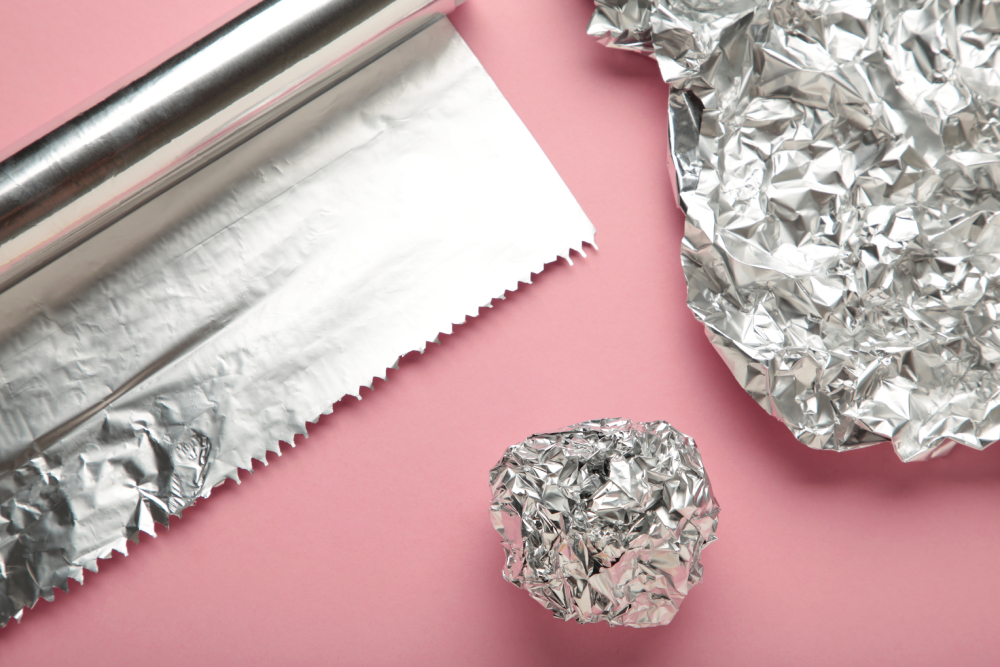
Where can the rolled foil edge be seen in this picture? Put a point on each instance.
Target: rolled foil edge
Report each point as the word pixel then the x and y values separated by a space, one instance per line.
pixel 256 69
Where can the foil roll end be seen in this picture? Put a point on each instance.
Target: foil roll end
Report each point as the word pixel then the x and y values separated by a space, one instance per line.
pixel 605 520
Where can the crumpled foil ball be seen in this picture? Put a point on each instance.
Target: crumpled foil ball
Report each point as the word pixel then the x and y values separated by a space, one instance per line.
pixel 839 165
pixel 606 520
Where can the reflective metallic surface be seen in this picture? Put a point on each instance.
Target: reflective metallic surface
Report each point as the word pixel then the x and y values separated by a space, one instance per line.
pixel 155 360
pixel 605 521
pixel 838 164
pixel 97 167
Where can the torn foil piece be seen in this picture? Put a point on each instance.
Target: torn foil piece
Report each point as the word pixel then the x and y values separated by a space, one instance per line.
pixel 838 164
pixel 215 321
pixel 605 521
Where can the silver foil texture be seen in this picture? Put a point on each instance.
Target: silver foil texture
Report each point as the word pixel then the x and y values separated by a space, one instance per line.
pixel 838 164
pixel 605 521
pixel 157 359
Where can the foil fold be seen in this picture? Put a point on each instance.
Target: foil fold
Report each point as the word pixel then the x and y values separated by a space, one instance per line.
pixel 837 162
pixel 605 520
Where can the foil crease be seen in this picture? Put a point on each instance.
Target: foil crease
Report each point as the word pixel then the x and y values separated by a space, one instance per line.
pixel 837 161
pixel 162 356
pixel 605 520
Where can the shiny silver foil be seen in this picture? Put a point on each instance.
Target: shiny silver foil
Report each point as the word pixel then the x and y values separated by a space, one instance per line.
pixel 606 520
pixel 838 164
pixel 97 167
pixel 161 356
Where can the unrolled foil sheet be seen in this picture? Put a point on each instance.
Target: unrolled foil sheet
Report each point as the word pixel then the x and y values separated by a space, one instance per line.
pixel 605 520
pixel 838 164
pixel 157 359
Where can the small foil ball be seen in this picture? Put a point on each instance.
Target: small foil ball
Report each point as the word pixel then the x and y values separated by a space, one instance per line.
pixel 606 520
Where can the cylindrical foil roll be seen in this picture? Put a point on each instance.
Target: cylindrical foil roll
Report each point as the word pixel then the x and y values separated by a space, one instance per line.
pixel 148 364
pixel 94 169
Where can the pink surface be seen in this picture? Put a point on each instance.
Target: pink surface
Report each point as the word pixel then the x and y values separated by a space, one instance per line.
pixel 370 542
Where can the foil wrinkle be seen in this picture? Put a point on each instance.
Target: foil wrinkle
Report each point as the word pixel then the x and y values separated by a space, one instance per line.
pixel 838 162
pixel 605 520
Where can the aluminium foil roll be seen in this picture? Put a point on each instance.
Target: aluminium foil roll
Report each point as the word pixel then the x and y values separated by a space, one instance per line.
pixel 351 205
pixel 97 167
pixel 838 162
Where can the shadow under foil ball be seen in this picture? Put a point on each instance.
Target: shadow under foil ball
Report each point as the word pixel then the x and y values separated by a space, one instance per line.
pixel 605 520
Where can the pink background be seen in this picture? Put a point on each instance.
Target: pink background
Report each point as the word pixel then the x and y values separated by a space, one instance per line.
pixel 370 543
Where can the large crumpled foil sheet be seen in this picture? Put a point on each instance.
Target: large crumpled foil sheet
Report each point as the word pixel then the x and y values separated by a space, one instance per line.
pixel 605 520
pixel 838 164
pixel 159 358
